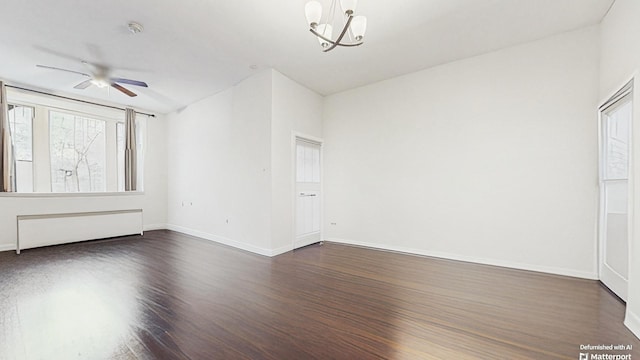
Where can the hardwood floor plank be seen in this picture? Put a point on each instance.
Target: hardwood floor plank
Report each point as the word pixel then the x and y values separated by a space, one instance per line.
pixel 166 295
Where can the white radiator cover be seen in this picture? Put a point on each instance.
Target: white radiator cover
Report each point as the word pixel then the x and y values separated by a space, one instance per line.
pixel 52 229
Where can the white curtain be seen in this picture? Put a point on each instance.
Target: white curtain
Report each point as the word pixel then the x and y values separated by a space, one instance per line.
pixel 130 156
pixel 8 168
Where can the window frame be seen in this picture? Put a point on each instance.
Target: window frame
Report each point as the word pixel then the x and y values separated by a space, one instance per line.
pixel 41 160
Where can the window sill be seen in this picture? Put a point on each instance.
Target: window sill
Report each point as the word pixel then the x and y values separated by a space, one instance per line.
pixel 71 195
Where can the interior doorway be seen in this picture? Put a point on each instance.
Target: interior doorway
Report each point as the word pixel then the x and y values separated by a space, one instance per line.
pixel 308 178
pixel 615 147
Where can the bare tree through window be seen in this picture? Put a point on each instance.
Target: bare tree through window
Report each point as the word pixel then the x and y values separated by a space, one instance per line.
pixel 77 146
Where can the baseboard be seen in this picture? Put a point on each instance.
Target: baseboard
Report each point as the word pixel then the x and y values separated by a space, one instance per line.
pixel 614 282
pixel 150 227
pixel 281 250
pixel 221 239
pixel 632 322
pixel 471 259
pixel 8 247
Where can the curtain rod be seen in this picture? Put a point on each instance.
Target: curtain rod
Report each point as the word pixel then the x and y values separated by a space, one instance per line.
pixel 72 99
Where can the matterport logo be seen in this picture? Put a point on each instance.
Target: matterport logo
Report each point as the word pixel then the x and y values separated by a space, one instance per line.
pixel 585 356
pixel 618 349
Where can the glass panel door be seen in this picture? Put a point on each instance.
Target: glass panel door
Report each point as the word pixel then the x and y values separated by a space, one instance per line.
pixel 614 192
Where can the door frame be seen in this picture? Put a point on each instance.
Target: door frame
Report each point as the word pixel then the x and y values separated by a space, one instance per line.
pixel 295 135
pixel 626 90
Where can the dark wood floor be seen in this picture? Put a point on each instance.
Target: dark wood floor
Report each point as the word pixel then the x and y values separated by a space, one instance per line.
pixel 170 296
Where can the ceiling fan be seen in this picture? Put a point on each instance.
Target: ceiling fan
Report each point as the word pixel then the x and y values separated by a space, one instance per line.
pixel 99 76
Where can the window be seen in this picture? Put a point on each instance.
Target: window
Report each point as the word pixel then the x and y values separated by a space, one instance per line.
pixel 21 127
pixel 77 149
pixel 63 146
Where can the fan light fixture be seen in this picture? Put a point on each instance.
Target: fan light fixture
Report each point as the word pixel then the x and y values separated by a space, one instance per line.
pixel 100 82
pixel 353 29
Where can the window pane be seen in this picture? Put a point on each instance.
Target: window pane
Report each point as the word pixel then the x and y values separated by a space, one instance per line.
pixel 20 122
pixel 21 127
pixel 617 142
pixel 77 146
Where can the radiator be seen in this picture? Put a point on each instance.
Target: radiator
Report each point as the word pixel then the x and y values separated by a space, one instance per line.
pixel 52 229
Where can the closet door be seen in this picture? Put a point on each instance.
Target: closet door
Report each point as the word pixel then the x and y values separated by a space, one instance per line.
pixel 307 193
pixel 614 192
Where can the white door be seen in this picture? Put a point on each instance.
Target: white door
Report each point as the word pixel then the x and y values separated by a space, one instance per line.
pixel 307 192
pixel 614 191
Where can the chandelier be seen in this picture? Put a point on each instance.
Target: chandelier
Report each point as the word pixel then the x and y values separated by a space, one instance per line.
pixel 353 27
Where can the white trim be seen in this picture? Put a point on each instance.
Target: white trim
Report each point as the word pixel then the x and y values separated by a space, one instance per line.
pixel 7 247
pixel 471 259
pixel 222 240
pixel 614 281
pixel 151 227
pixel 303 136
pixel 611 92
pixel 613 103
pixel 632 322
pixel 281 250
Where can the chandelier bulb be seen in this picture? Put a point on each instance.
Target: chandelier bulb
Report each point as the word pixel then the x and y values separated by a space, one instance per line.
pixel 359 27
pixel 313 13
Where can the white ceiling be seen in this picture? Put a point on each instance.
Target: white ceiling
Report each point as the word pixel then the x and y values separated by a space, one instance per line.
pixel 191 49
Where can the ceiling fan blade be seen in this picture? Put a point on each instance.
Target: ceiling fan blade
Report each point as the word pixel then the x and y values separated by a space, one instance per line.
pixel 83 85
pixel 69 71
pixel 124 90
pixel 130 82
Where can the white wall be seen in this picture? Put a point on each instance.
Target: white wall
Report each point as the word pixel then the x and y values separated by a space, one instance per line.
pixel 490 159
pixel 619 47
pixel 152 201
pixel 619 62
pixel 219 175
pixel 231 158
pixel 296 109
